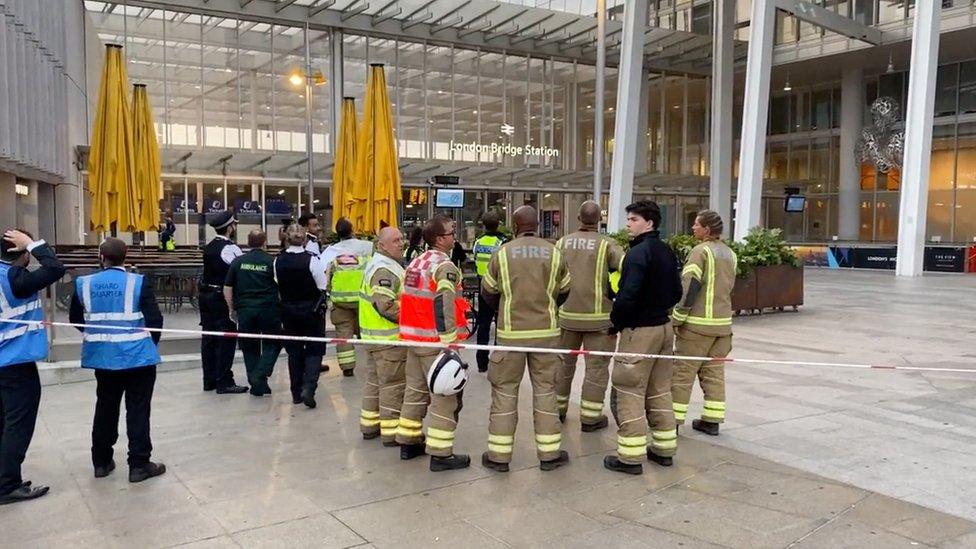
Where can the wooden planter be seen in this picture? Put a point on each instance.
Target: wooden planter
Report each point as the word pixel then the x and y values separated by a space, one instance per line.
pixel 779 286
pixel 744 293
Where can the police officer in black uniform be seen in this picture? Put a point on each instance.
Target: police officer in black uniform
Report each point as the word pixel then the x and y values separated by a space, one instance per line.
pixel 217 353
pixel 302 286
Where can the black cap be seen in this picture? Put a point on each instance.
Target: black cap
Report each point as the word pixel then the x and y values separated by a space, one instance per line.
pixel 222 219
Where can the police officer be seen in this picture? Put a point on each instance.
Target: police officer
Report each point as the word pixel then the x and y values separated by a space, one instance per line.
pixel 703 323
pixel 527 279
pixel 432 310
pixel 252 297
pixel 379 317
pixel 301 285
pixel 344 262
pixel 217 353
pixel 310 222
pixel 641 396
pixel 585 317
pixel 484 247
pixel 20 346
pixel 124 361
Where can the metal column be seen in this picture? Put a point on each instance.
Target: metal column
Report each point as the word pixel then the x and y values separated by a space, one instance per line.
pixel 628 96
pixel 308 126
pixel 720 147
pixel 337 78
pixel 918 139
pixel 598 107
pixel 851 120
pixel 752 151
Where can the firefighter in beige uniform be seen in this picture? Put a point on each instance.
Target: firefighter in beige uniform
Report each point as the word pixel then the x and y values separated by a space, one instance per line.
pixel 585 317
pixel 379 317
pixel 527 280
pixel 703 323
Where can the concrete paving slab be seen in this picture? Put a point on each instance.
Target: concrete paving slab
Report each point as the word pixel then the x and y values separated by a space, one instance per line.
pixel 809 457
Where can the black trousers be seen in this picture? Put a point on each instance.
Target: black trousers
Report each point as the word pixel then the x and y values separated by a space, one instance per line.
pixel 216 353
pixel 136 385
pixel 20 395
pixel 485 316
pixel 260 355
pixel 304 359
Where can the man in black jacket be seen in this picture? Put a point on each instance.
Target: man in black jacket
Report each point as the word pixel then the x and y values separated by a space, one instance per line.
pixel 650 286
pixel 20 346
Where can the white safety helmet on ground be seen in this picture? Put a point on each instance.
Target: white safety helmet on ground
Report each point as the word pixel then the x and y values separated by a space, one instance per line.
pixel 448 374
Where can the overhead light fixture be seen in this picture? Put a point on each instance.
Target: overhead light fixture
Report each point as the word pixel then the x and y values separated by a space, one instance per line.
pixel 281 192
pixel 296 79
pixel 891 64
pixel 316 201
pixel 787 87
pixel 475 112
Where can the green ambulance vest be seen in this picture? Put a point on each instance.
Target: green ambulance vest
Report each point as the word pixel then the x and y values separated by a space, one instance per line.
pixel 373 325
pixel 347 278
pixel 484 247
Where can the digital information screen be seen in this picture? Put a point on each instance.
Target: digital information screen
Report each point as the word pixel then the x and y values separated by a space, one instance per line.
pixel 449 198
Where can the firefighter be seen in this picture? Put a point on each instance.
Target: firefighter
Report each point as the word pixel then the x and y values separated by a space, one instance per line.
pixel 432 310
pixel 527 279
pixel 217 353
pixel 379 317
pixel 484 247
pixel 585 317
pixel 649 288
pixel 703 323
pixel 344 263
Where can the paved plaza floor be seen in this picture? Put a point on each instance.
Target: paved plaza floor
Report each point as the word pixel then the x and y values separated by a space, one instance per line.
pixel 810 457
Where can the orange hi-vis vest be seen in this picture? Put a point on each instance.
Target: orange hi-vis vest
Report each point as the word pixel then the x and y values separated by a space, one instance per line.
pixel 418 311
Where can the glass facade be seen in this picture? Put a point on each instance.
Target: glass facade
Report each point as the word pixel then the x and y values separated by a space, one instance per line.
pixel 232 88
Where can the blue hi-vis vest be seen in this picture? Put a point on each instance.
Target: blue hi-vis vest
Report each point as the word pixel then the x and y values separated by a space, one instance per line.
pixel 20 342
pixel 111 298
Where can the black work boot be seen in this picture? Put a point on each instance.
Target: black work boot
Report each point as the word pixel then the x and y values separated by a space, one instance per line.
pixel 390 443
pixel 231 390
pixel 487 463
pixel 552 464
pixel 663 461
pixel 590 427
pixel 410 451
pixel 448 463
pixel 348 373
pixel 371 436
pixel 102 471
pixel 614 464
pixel 308 399
pixel 706 427
pixel 147 471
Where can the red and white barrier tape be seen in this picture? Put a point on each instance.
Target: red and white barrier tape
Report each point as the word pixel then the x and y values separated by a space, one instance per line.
pixel 510 348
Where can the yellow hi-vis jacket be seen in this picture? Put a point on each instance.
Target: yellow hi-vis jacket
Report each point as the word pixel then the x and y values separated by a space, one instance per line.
pixel 379 301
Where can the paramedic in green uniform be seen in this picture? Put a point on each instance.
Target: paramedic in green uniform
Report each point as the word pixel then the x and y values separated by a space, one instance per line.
pixel 252 296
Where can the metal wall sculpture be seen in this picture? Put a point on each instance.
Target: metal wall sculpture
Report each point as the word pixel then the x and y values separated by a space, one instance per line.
pixel 881 144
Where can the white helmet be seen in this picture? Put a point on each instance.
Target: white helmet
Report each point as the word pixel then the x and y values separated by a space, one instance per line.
pixel 448 374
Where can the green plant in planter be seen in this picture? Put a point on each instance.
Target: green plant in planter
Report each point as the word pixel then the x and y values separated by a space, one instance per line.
pixel 622 237
pixel 682 245
pixel 764 247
